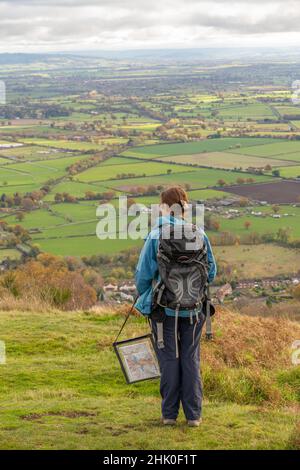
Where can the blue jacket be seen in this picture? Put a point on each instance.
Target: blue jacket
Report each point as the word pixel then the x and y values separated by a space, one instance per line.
pixel 147 269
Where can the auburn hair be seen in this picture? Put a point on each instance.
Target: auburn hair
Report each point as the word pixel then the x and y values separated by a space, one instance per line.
pixel 174 195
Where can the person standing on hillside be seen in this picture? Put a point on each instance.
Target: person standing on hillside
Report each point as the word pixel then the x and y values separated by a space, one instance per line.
pixel 172 277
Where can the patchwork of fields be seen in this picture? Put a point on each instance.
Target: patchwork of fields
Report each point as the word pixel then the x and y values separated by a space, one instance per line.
pixel 37 154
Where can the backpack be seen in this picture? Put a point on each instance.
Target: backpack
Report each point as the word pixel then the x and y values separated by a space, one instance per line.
pixel 183 268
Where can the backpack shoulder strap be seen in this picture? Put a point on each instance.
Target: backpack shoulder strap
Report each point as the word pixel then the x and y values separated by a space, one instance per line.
pixel 125 321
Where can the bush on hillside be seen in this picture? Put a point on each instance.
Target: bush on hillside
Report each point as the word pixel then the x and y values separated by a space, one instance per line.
pixel 49 280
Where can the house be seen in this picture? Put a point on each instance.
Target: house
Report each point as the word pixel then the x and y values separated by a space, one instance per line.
pixel 110 288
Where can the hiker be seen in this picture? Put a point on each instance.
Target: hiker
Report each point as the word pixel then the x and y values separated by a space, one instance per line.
pixel 172 293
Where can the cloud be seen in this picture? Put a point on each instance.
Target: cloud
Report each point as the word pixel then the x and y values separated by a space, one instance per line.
pixel 108 24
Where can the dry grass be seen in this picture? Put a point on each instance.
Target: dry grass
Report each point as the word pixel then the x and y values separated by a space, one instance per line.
pixel 242 340
pixel 27 303
pixel 285 310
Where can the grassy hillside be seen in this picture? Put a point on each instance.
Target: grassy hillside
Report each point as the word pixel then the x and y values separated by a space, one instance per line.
pixel 62 387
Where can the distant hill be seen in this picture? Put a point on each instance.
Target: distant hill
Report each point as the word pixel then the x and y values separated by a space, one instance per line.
pixel 212 54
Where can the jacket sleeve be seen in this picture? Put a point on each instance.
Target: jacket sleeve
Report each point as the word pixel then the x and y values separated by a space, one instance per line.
pixel 212 266
pixel 146 269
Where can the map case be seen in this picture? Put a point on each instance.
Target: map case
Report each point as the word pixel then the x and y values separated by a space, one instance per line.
pixel 138 359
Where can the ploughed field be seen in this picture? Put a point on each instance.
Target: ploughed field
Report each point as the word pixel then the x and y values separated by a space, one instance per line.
pixel 277 192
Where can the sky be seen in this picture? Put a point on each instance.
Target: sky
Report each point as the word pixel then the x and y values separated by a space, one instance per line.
pixel 65 25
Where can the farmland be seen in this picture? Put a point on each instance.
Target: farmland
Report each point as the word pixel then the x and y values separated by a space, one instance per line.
pixel 71 142
pixel 278 192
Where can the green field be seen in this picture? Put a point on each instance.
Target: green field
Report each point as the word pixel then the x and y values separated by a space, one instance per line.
pixel 197 179
pixel 34 152
pixel 284 150
pixel 107 172
pixel 62 388
pixel 65 144
pixel 246 260
pixel 263 225
pixel 21 187
pixel 252 111
pixel 290 172
pixel 37 171
pixel 85 245
pixel 211 145
pixel 10 253
pixel 225 160
pixel 75 188
pixel 40 219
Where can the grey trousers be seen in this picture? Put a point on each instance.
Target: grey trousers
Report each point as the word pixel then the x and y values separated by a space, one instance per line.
pixel 180 377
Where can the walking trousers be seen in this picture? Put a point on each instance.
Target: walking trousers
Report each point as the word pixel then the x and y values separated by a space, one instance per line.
pixel 180 377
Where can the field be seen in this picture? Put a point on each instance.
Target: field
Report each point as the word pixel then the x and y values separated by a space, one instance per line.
pixel 290 172
pixel 61 388
pixel 280 150
pixel 84 245
pixel 160 125
pixel 66 144
pixel 225 160
pixel 289 219
pixel 9 253
pixel 213 145
pixel 106 172
pixel 246 260
pixel 33 152
pixel 281 192
pixel 196 178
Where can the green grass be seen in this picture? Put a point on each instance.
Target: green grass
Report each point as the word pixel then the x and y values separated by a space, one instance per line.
pixel 288 110
pixel 197 178
pixel 38 172
pixel 225 160
pixel 36 219
pixel 34 152
pixel 212 145
pixel 64 144
pixel 107 172
pixel 246 261
pixel 280 149
pixel 21 187
pixel 10 253
pixel 62 388
pixel 76 211
pixel 75 188
pixel 290 172
pixel 83 245
pixel 262 225
pixel 69 230
pixel 253 111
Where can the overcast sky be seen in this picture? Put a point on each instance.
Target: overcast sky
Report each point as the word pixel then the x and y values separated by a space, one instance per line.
pixel 47 25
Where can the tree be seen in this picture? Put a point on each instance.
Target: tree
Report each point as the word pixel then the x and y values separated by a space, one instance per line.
pixel 243 202
pixel 240 180
pixel 27 203
pixel 20 216
pixel 58 197
pixel 275 208
pixel 221 182
pixel 247 224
